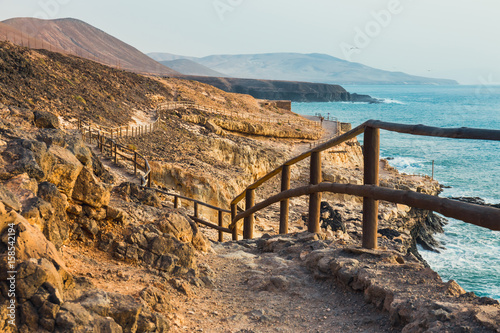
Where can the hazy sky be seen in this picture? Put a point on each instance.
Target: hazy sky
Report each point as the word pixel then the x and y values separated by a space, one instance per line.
pixel 458 39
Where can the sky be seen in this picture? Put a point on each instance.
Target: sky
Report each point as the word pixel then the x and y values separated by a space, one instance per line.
pixel 455 39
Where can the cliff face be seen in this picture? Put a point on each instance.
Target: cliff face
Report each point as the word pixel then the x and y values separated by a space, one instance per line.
pixel 278 90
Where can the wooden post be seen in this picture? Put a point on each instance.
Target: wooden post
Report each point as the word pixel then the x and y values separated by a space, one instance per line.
pixel 111 130
pixel 371 177
pixel 284 204
pixel 150 128
pixel 176 202
pixel 116 155
pixel 221 224
pixel 120 132
pixel 90 135
pixel 102 143
pixel 432 169
pixel 196 212
pixel 149 179
pixel 135 163
pixel 98 139
pixel 234 211
pixel 315 198
pixel 249 221
pixel 127 130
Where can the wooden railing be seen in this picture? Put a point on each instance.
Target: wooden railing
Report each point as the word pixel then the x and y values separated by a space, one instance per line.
pixel 104 139
pixel 371 192
pixel 107 145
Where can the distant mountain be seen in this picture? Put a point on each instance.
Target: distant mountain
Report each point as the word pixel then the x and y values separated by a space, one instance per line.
pixel 189 67
pixel 159 56
pixel 79 38
pixel 314 67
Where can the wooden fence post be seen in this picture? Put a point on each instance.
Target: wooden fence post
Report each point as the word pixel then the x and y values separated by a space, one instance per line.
pixel 221 224
pixel 249 221
pixel 284 204
pixel 116 155
pixel 196 212
pixel 371 177
pixel 149 179
pixel 176 202
pixel 135 163
pixel 234 211
pixel 315 198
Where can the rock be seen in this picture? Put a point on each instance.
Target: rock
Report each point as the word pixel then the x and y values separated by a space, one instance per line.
pixel 59 202
pixel 74 209
pixel 63 170
pixel 98 214
pixel 150 198
pixel 83 153
pixel 177 225
pixel 33 274
pixel 73 318
pixel 152 322
pixel 100 171
pixel 25 156
pixel 156 299
pixel 125 311
pixel 116 214
pixel 44 119
pixel 30 242
pixel 330 218
pixel 89 191
pixel 107 325
pixel 89 225
pixel 489 316
pixel 22 187
pixel 182 286
pixel 9 199
pixel 453 288
pixel 52 137
pixel 29 316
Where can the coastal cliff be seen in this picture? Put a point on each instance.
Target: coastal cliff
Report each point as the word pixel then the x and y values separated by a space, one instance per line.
pixel 283 90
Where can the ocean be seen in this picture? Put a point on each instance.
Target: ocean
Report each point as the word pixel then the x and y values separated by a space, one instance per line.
pixel 469 167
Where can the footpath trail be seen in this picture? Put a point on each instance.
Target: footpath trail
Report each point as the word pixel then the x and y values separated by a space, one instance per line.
pixel 263 292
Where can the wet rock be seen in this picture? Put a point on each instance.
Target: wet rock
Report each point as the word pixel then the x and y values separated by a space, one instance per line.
pixel 44 119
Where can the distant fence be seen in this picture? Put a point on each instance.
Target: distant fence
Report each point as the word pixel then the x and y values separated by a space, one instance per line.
pixel 235 114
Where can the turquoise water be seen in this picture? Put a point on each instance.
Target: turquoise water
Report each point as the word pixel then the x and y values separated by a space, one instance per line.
pixel 470 167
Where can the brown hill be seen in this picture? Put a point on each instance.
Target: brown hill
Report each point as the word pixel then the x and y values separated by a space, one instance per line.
pixel 79 38
pixel 73 87
pixel 9 33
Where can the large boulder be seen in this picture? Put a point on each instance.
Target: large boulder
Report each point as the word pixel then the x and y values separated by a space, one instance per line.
pixel 89 191
pixel 44 119
pixel 24 156
pixel 63 170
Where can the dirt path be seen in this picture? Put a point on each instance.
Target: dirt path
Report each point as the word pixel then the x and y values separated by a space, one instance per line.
pixel 262 292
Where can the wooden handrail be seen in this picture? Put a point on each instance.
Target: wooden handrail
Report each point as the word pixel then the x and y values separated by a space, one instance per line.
pixel 483 216
pixel 370 202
